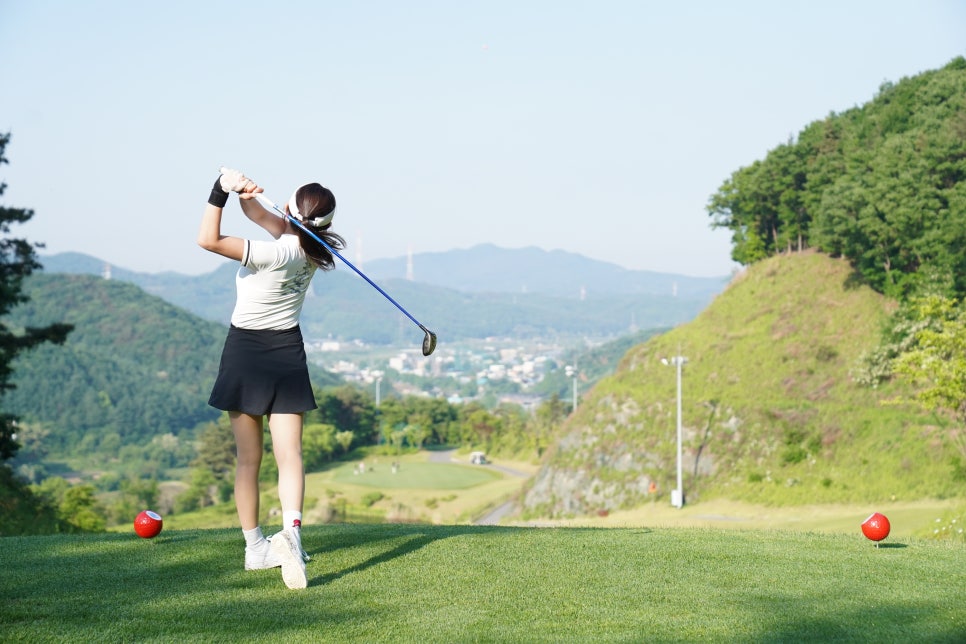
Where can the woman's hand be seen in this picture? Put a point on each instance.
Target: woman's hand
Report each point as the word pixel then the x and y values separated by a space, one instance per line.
pixel 250 190
pixel 236 181
pixel 233 180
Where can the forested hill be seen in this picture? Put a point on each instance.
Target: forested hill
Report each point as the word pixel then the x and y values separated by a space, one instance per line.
pixel 882 185
pixel 133 368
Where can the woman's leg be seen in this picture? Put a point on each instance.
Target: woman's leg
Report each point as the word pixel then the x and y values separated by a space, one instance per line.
pixel 249 445
pixel 287 545
pixel 286 432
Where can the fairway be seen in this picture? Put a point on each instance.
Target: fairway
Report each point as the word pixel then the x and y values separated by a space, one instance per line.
pixel 415 475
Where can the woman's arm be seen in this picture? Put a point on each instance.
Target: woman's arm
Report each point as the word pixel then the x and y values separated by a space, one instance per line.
pixel 211 239
pixel 265 218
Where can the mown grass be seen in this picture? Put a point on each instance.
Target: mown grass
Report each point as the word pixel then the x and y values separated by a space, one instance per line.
pixel 387 583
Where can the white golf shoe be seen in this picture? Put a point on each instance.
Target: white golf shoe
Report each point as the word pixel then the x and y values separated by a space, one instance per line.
pixel 306 557
pixel 285 548
pixel 261 556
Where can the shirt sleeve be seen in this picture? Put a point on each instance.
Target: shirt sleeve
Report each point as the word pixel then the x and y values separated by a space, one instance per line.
pixel 261 255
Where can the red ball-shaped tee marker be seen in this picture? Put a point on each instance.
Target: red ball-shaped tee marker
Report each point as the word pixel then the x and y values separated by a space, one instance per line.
pixel 148 524
pixel 876 527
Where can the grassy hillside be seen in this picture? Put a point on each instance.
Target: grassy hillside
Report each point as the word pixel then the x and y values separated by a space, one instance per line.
pixel 770 412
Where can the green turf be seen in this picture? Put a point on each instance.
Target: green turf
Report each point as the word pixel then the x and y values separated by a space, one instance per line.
pixel 387 583
pixel 415 475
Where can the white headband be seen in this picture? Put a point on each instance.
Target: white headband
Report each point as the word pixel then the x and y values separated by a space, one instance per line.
pixel 318 222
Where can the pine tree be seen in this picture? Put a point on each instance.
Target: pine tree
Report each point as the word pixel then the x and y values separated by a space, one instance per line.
pixel 18 260
pixel 21 512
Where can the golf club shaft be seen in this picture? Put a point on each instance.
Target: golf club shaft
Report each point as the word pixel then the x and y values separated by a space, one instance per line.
pixel 268 203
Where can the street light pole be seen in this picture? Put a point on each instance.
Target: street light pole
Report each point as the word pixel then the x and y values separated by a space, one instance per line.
pixel 575 388
pixel 378 377
pixel 677 496
pixel 572 371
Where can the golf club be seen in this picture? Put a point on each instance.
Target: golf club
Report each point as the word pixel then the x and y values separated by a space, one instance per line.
pixel 429 340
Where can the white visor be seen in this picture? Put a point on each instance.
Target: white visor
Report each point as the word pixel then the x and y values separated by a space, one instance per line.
pixel 318 222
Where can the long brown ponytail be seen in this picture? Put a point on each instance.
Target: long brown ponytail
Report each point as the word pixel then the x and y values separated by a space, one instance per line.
pixel 316 201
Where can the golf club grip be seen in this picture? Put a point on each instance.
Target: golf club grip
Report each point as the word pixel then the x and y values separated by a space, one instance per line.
pixel 268 203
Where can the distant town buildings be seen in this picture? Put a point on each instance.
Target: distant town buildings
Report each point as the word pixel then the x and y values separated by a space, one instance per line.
pixel 525 366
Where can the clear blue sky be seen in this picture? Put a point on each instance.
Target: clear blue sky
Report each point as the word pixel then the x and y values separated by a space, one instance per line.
pixel 597 127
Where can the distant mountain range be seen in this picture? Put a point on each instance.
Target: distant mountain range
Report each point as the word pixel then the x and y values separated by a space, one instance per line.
pixel 474 293
pixel 490 269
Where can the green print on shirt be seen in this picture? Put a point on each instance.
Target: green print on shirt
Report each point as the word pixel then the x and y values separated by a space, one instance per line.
pixel 299 282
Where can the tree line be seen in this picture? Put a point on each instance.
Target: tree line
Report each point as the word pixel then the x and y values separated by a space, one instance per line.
pixel 882 185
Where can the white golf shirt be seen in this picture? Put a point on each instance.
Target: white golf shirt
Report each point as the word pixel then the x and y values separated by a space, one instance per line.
pixel 271 284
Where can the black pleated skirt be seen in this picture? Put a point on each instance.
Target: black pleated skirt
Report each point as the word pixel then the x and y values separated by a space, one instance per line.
pixel 263 372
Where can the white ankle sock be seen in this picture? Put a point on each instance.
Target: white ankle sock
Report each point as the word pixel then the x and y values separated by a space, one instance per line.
pixel 254 536
pixel 292 521
pixel 291 518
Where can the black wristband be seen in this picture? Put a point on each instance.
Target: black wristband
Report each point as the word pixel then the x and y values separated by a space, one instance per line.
pixel 218 197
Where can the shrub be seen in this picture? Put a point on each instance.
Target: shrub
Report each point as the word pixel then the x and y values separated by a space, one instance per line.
pixel 793 454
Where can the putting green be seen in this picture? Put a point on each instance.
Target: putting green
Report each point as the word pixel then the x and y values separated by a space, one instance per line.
pixel 410 475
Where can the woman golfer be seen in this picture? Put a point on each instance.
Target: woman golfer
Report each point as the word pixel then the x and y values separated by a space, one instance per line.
pixel 263 370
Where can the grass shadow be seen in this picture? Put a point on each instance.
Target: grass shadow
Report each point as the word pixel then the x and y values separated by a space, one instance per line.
pixel 405 548
pixel 416 536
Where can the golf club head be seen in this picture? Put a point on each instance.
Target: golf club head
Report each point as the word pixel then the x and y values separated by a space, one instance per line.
pixel 429 342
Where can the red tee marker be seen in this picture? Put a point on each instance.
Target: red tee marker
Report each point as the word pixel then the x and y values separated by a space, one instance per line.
pixel 876 527
pixel 148 524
